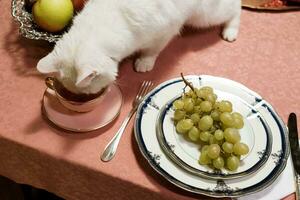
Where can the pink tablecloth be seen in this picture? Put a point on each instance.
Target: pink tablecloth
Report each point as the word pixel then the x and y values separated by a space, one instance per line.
pixel 266 58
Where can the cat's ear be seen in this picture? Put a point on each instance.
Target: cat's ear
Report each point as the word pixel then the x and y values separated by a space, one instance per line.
pixel 47 64
pixel 85 77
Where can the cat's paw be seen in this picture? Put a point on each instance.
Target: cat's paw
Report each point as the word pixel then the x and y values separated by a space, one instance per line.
pixel 230 34
pixel 144 64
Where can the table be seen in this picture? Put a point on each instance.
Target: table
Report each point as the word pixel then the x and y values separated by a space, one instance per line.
pixel 265 58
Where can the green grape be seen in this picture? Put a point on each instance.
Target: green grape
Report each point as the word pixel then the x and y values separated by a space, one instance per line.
pixel 216 106
pixel 215 115
pixel 240 149
pixel 178 104
pixel 211 98
pixel 188 104
pixel 232 135
pixel 227 119
pixel 194 134
pixel 184 125
pixel 205 106
pixel 219 135
pixel 225 106
pixel 195 117
pixel 223 126
pixel 179 114
pixel 207 89
pixel 213 140
pixel 232 163
pixel 204 148
pixel 201 94
pixel 179 128
pixel 238 123
pixel 204 136
pixel 205 123
pixel 204 159
pixel 213 151
pixel 193 94
pixel 237 115
pixel 218 163
pixel 238 120
pixel 227 147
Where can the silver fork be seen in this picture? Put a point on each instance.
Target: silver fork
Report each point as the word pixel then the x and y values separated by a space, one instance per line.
pixel 111 148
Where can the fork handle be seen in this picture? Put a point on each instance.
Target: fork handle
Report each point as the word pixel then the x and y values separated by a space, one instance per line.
pixel 111 148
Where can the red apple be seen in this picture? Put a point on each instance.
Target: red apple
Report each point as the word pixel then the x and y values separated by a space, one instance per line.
pixel 78 4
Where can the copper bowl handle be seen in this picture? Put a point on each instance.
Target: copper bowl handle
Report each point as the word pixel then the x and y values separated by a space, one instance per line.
pixel 50 83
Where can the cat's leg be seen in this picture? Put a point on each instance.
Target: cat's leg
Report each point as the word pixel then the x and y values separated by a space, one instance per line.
pixel 145 63
pixel 148 57
pixel 231 28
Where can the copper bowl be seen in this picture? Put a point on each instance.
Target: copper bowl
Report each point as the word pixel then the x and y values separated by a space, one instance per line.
pixel 75 102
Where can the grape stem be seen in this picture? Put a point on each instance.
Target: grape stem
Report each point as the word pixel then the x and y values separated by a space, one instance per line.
pixel 187 83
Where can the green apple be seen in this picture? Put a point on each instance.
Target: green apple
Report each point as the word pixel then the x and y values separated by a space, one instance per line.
pixel 53 15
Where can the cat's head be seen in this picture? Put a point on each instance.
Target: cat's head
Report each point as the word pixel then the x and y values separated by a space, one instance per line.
pixel 81 70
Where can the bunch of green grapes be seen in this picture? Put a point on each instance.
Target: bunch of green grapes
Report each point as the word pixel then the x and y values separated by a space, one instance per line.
pixel 213 125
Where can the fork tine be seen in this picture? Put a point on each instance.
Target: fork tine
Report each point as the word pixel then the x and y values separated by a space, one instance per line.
pixel 140 90
pixel 149 87
pixel 143 88
pixel 146 89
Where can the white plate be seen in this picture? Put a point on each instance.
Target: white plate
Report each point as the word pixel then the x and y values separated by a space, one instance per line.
pixel 234 186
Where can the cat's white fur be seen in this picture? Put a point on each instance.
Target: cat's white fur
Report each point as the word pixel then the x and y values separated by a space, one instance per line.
pixel 106 31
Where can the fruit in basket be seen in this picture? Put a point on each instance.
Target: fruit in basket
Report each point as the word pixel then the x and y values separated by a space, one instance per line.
pixel 52 15
pixel 213 125
pixel 78 4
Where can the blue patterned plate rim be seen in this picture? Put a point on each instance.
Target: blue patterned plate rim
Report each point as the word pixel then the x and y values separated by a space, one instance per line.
pixel 221 189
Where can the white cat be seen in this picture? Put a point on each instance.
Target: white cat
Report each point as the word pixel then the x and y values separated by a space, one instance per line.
pixel 106 31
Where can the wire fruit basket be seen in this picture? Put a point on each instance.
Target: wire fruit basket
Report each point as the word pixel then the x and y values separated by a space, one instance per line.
pixel 28 28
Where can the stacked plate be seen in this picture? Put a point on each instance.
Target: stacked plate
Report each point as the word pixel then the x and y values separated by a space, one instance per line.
pixel 177 160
